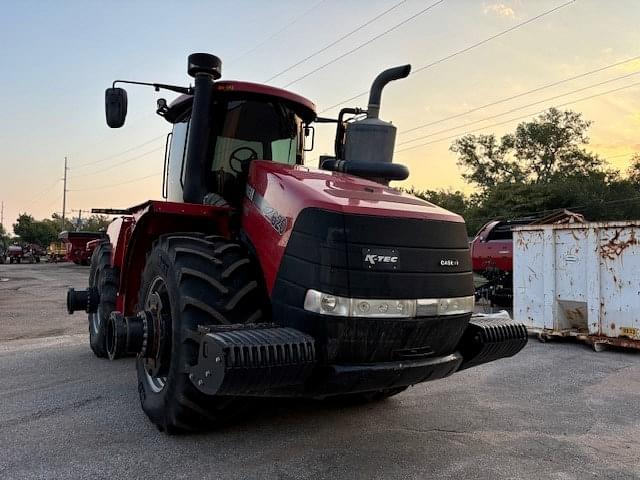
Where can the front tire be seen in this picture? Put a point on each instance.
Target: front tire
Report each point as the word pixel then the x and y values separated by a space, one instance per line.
pixel 192 280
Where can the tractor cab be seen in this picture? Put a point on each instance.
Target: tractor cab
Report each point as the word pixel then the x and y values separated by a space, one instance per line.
pixel 246 122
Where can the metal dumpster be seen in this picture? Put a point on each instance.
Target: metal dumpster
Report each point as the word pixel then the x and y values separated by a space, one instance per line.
pixel 579 280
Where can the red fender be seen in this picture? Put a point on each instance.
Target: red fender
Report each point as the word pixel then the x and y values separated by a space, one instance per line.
pixel 133 235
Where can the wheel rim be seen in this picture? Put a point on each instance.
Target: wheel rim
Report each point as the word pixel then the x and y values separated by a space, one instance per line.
pixel 157 301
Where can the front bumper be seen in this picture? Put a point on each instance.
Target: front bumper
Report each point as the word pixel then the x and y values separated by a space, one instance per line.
pixel 252 360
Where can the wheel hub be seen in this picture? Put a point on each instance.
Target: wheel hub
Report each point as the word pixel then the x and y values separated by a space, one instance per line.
pixel 156 346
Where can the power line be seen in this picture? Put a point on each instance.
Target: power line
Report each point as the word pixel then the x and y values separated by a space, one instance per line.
pixel 275 34
pixel 362 45
pixel 41 195
pixel 115 155
pixel 519 108
pixel 513 97
pixel 133 180
pixel 335 42
pixel 58 198
pixel 630 154
pixel 142 155
pixel 464 50
pixel 411 147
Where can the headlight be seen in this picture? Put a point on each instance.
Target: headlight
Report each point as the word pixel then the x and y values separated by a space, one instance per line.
pixel 327 304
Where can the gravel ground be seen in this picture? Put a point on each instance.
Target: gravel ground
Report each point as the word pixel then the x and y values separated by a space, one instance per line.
pixel 557 411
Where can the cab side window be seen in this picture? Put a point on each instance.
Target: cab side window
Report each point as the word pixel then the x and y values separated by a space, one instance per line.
pixel 175 161
pixel 178 148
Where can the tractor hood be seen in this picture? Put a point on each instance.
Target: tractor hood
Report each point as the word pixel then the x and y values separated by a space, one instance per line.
pixel 291 188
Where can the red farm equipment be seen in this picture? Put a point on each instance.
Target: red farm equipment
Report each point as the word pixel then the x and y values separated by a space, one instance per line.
pixel 14 253
pixel 76 243
pixel 261 277
pixel 28 253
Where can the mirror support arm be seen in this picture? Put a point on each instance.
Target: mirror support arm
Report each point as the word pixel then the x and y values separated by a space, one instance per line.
pixel 158 86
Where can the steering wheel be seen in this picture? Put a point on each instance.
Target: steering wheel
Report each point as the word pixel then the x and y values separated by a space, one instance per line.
pixel 243 162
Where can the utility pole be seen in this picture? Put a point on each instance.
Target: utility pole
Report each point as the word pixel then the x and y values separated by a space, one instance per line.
pixel 2 215
pixel 64 192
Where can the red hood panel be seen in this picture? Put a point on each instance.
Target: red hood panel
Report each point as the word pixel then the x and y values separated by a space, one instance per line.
pixel 277 193
pixel 301 187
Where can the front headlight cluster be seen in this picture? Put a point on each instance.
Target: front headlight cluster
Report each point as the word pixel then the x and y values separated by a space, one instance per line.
pixel 335 305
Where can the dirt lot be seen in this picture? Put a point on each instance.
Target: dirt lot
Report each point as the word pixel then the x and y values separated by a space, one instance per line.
pixel 557 411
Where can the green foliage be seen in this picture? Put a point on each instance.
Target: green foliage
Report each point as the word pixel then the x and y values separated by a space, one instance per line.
pixel 4 238
pixel 540 168
pixel 43 232
pixel 58 225
pixel 540 149
pixel 485 160
pixel 454 201
pixel 95 223
pixel 33 231
pixel 634 170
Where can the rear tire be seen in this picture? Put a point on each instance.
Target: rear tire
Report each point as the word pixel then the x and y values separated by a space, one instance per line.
pixel 200 280
pixel 103 277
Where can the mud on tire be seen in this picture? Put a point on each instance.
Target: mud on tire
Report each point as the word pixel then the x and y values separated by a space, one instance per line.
pixel 105 278
pixel 201 280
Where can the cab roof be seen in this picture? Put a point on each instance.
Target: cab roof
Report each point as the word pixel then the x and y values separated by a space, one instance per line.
pixel 304 107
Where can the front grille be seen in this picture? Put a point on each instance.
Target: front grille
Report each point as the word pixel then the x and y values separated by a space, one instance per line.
pixel 326 252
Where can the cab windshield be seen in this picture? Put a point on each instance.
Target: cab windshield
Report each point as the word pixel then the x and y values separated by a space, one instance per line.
pixel 254 129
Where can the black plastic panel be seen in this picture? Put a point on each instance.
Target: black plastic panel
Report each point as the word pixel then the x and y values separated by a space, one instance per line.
pixel 326 252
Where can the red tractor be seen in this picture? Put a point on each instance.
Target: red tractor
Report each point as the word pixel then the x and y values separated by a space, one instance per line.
pixel 262 277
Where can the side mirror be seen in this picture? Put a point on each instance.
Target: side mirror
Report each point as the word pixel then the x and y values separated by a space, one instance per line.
pixel 115 106
pixel 309 137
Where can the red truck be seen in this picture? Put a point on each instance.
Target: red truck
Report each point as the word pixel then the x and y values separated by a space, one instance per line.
pixel 76 243
pixel 492 258
pixel 492 254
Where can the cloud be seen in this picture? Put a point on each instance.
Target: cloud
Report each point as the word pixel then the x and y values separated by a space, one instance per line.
pixel 499 9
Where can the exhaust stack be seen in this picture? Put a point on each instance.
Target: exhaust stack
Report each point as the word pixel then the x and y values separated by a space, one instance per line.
pixel 375 94
pixel 372 140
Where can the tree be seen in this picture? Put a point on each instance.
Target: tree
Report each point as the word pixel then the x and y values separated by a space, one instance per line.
pixel 58 225
pixel 33 231
pixel 633 172
pixel 96 223
pixel 454 201
pixel 541 149
pixel 4 238
pixel 485 160
pixel 552 144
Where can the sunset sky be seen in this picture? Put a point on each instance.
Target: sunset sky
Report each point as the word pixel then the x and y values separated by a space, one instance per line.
pixel 58 57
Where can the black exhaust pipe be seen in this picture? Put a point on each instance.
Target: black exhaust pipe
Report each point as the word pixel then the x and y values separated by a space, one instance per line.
pixel 375 94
